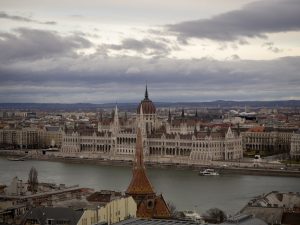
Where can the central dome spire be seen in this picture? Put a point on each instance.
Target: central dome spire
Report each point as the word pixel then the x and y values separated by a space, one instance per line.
pixel 146 104
pixel 146 93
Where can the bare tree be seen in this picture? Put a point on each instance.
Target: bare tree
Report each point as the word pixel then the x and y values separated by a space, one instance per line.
pixel 33 180
pixel 214 215
pixel 172 208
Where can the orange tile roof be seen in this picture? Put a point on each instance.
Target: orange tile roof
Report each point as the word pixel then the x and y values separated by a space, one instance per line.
pixel 140 184
pixel 257 129
pixel 148 204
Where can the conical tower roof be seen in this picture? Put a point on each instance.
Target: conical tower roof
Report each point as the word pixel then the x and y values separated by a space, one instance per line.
pixel 140 184
pixel 146 104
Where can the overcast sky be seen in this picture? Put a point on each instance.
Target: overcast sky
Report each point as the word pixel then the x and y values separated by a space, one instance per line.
pixel 105 51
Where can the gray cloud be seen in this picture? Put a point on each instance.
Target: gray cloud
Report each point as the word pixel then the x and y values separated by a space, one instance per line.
pixel 144 46
pixel 97 78
pixel 271 47
pixel 4 15
pixel 32 44
pixel 254 20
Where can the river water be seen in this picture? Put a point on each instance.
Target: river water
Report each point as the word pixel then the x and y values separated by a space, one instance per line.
pixel 184 188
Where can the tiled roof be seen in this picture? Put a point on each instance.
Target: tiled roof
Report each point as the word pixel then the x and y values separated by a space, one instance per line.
pixel 269 214
pixel 243 219
pixel 138 221
pixel 148 204
pixel 147 107
pixel 103 196
pixel 59 213
pixel 140 184
pixel 157 208
pixel 161 209
pixel 256 129
pixel 52 128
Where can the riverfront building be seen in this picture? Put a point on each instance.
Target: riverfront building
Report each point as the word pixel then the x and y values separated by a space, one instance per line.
pixel 267 141
pixel 295 145
pixel 31 138
pixel 177 140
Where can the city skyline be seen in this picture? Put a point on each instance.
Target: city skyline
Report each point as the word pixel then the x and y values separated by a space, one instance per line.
pixel 101 52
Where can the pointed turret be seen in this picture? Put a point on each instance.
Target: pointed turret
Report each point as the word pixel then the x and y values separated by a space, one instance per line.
pixel 169 116
pixel 196 113
pixel 208 131
pixel 101 117
pixel 182 113
pixel 195 130
pixel 229 133
pixel 116 115
pixel 115 127
pixel 140 184
pixel 139 154
pixel 146 93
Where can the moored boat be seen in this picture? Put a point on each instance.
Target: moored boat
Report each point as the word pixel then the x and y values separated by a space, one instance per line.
pixel 15 159
pixel 208 172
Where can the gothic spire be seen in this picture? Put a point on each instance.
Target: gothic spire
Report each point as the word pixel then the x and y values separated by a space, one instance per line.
pixel 182 113
pixel 195 130
pixel 169 116
pixel 116 115
pixel 140 184
pixel 139 156
pixel 146 93
pixel 101 117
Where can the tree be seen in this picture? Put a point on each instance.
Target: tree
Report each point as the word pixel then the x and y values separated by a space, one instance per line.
pixel 214 215
pixel 172 208
pixel 33 180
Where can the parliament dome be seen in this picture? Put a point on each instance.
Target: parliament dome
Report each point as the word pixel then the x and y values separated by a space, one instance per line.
pixel 147 105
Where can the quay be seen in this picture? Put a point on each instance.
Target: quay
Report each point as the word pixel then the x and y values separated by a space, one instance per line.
pixel 223 167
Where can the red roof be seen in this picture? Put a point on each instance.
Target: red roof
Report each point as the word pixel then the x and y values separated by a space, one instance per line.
pixel 257 129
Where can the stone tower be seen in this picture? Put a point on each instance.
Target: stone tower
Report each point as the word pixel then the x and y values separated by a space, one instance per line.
pixel 149 205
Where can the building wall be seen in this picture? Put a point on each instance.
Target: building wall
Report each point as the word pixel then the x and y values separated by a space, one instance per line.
pixel 295 146
pixel 118 210
pixel 89 217
pixel 114 211
pixel 50 138
pixel 19 138
pixel 161 147
pixel 272 142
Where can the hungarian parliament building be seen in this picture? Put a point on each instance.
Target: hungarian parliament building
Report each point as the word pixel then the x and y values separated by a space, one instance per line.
pixel 172 140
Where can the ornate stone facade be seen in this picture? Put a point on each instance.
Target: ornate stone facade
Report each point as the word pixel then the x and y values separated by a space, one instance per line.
pixel 161 141
pixel 269 141
pixel 31 138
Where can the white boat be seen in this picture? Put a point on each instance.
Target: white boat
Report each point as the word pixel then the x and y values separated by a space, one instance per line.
pixel 208 172
pixel 16 159
pixel 193 216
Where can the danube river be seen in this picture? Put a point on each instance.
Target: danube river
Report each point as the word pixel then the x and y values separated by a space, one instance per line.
pixel 184 188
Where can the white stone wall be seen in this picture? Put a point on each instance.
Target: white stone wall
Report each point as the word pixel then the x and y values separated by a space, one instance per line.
pixel 185 150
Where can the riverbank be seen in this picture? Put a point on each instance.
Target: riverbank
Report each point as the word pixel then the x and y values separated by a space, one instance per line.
pixel 224 169
pixel 187 190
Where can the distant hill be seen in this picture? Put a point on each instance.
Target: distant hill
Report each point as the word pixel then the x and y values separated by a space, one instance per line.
pixel 133 106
